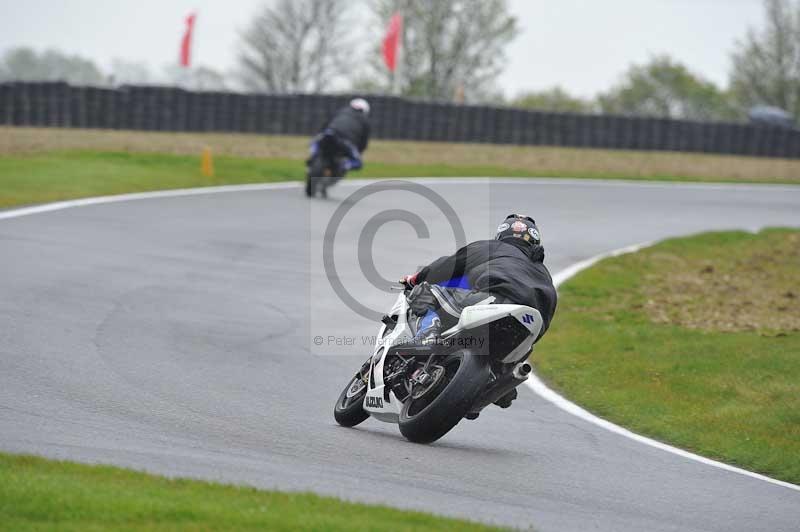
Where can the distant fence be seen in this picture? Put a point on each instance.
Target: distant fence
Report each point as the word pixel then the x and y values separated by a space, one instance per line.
pixel 173 109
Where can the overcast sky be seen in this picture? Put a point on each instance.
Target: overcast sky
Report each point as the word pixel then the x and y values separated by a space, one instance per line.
pixel 583 46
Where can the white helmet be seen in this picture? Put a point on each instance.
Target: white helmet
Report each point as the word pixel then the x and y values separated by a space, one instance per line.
pixel 360 104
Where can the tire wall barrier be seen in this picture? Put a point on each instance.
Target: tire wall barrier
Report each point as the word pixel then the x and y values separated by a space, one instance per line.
pixel 152 108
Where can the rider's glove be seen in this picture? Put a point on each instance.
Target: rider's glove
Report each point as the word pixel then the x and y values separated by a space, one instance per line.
pixel 409 280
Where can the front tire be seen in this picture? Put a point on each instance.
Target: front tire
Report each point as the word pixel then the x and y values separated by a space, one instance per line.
pixel 425 420
pixel 349 410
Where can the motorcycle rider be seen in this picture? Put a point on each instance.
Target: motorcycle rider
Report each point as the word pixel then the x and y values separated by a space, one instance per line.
pixel 346 134
pixel 508 269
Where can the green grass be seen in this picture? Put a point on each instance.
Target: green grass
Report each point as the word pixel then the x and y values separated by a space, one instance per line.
pixel 57 176
pixel 38 494
pixel 66 175
pixel 619 349
pixel 39 177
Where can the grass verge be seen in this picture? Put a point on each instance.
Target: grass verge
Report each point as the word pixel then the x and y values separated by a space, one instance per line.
pixel 39 178
pixel 653 341
pixel 53 176
pixel 38 494
pixel 42 164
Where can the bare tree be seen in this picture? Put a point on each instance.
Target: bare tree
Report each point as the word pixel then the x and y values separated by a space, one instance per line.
pixel 449 47
pixel 295 46
pixel 766 64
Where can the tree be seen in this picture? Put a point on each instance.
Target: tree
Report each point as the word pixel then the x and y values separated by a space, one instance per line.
pixel 124 72
pixel 766 68
pixel 449 47
pixel 208 79
pixel 555 100
pixel 199 78
pixel 667 89
pixel 24 64
pixel 295 46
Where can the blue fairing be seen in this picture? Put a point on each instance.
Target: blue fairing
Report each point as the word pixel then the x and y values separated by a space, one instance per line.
pixel 456 282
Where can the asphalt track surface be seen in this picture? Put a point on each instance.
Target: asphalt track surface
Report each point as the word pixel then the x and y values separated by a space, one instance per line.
pixel 173 335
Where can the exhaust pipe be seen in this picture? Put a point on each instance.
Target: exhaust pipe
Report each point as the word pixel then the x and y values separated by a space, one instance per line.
pixel 502 385
pixel 522 370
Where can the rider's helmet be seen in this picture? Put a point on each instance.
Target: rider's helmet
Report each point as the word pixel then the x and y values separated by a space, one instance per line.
pixel 360 104
pixel 519 226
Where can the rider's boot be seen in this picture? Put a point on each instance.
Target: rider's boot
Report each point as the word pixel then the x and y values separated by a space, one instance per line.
pixel 429 327
pixel 505 401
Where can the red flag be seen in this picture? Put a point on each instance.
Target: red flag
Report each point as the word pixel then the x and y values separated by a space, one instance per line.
pixel 186 42
pixel 392 41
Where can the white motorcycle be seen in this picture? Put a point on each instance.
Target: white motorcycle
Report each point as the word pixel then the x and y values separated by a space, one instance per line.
pixel 428 389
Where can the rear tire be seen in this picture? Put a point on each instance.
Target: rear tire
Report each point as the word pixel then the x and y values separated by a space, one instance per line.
pixel 316 169
pixel 310 186
pixel 349 410
pixel 429 420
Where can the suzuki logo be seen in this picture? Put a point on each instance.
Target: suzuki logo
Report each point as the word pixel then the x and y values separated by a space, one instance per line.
pixel 374 402
pixel 527 318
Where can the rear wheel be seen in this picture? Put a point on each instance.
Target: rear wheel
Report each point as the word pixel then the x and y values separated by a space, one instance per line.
pixel 349 410
pixel 316 171
pixel 428 415
pixel 328 178
pixel 310 186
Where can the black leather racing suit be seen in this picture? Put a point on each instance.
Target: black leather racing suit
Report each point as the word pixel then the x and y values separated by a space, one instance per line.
pixel 345 136
pixel 352 125
pixel 510 270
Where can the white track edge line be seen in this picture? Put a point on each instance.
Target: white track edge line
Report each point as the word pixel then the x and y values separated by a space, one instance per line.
pixel 546 393
pixel 585 182
pixel 536 384
pixel 117 198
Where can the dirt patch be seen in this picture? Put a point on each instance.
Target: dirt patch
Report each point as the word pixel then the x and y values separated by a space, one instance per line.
pixel 754 286
pixel 537 160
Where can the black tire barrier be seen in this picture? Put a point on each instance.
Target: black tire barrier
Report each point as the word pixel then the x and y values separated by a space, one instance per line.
pixel 153 108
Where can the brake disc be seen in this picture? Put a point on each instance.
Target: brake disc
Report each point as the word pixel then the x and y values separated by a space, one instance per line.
pixel 356 387
pixel 427 381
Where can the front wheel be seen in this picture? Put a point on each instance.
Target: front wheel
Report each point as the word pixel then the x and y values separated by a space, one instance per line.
pixel 431 415
pixel 349 410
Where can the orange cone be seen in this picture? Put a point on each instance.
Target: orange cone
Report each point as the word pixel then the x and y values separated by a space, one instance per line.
pixel 207 163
